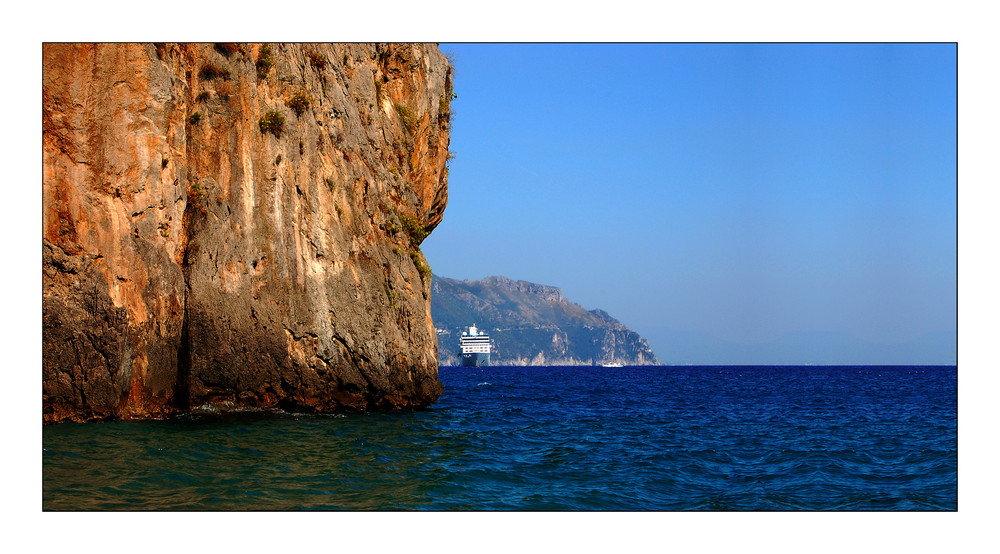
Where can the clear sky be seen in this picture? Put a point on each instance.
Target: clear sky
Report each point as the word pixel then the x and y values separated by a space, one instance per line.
pixel 733 203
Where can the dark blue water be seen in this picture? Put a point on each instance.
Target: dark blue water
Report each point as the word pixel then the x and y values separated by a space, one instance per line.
pixel 548 438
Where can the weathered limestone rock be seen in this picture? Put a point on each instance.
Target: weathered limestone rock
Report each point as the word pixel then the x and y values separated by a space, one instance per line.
pixel 191 257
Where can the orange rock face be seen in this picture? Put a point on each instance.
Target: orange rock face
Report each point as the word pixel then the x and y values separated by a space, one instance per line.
pixel 196 254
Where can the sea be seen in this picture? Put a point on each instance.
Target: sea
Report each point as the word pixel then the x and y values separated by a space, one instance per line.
pixel 652 438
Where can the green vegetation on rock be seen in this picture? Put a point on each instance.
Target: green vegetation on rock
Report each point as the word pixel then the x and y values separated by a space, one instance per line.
pixel 298 102
pixel 272 122
pixel 318 60
pixel 407 117
pixel 211 71
pixel 414 229
pixel 265 61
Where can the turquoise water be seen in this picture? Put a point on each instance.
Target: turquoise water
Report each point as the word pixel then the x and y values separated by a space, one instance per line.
pixel 548 438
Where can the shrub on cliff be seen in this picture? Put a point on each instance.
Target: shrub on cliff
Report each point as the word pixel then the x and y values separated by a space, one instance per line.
pixel 444 108
pixel 444 104
pixel 196 198
pixel 414 229
pixel 272 122
pixel 228 48
pixel 318 60
pixel 298 102
pixel 418 262
pixel 211 71
pixel 265 60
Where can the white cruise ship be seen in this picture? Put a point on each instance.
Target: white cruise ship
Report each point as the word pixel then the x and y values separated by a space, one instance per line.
pixel 475 348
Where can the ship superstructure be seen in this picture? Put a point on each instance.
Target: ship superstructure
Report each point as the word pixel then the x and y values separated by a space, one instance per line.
pixel 475 348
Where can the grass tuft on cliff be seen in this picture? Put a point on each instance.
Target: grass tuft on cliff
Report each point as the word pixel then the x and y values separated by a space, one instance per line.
pixel 272 122
pixel 407 117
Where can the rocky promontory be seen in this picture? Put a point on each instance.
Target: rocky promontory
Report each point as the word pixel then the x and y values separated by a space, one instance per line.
pixel 238 226
pixel 531 324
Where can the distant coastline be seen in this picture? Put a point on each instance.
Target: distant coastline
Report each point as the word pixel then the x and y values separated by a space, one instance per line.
pixel 530 325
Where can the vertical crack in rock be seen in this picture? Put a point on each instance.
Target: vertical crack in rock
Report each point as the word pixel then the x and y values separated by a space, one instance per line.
pixel 184 354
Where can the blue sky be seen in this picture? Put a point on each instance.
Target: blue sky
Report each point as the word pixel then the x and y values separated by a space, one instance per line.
pixel 733 203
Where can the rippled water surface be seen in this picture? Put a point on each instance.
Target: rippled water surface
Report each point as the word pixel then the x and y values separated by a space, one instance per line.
pixel 548 438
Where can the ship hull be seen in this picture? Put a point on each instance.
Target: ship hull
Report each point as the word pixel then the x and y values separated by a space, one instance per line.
pixel 475 359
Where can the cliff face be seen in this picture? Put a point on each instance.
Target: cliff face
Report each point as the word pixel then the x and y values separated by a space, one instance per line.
pixel 197 253
pixel 531 324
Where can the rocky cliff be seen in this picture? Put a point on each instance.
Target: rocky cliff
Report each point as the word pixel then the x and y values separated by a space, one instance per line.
pixel 239 225
pixel 531 324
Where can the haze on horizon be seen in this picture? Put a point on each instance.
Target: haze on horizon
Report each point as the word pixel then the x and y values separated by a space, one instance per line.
pixel 732 203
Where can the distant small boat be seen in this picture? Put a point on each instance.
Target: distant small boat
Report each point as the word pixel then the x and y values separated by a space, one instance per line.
pixel 614 363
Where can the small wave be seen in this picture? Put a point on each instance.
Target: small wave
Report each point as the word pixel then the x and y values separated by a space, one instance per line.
pixel 224 408
pixel 484 384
